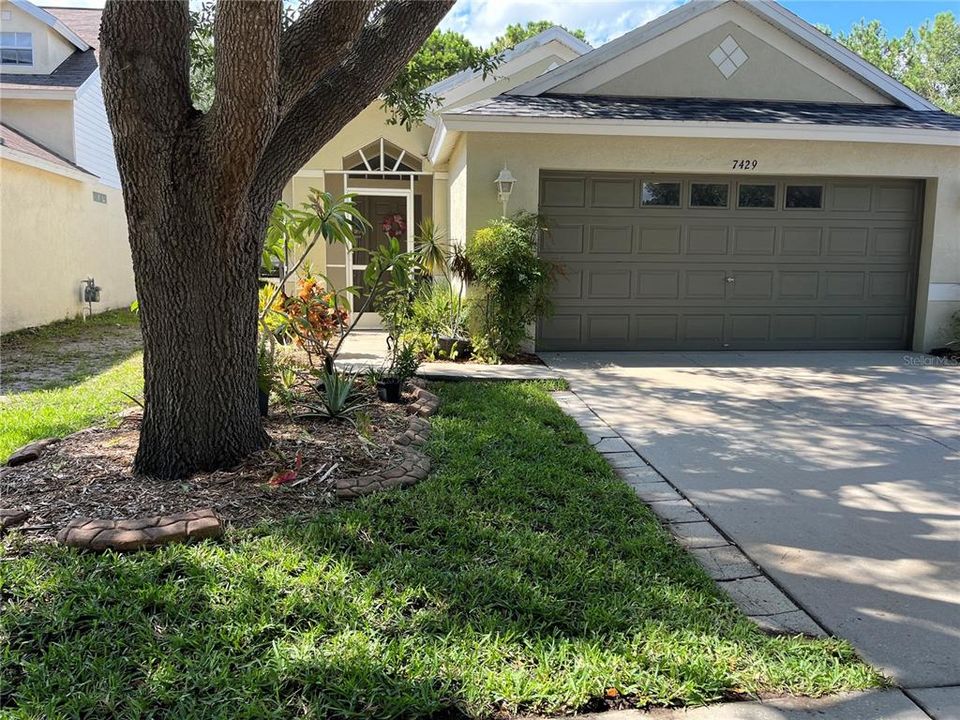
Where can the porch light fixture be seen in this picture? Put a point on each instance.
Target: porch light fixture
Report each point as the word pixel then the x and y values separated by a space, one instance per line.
pixel 504 182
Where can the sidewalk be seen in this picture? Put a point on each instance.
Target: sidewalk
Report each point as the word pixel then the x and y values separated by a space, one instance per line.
pixel 874 705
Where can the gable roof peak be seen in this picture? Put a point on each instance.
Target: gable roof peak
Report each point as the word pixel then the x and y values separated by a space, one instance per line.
pixel 768 10
pixel 53 23
pixel 551 34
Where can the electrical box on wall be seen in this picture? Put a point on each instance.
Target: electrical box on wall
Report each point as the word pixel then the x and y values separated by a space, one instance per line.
pixel 91 291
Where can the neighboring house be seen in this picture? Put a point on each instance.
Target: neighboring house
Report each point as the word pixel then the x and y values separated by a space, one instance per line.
pixel 61 210
pixel 725 176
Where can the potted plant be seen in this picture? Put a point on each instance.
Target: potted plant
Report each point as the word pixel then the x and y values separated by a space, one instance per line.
pixel 403 364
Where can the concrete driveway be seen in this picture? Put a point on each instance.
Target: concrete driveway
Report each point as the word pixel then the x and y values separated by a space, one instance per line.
pixel 838 473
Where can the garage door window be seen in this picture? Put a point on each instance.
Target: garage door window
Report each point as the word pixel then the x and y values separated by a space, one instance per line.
pixel 711 195
pixel 804 197
pixel 757 196
pixel 661 194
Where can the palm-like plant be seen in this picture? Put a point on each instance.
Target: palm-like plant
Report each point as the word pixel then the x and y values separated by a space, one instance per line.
pixel 435 258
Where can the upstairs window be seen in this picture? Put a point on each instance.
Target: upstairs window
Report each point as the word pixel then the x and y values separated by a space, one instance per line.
pixel 16 48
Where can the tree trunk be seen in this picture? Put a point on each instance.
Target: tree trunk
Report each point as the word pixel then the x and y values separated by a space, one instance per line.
pixel 199 188
pixel 197 284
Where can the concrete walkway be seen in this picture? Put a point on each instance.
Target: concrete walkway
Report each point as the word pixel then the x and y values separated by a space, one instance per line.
pixel 368 348
pixel 876 705
pixel 837 473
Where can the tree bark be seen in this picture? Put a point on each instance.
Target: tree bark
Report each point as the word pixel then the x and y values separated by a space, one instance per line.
pixel 199 189
pixel 198 317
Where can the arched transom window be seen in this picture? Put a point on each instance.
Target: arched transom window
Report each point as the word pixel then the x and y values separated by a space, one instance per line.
pixel 382 156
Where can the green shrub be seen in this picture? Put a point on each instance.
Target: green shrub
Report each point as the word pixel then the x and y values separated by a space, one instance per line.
pixel 511 283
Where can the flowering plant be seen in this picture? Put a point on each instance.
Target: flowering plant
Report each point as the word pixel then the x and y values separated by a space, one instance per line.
pixel 314 317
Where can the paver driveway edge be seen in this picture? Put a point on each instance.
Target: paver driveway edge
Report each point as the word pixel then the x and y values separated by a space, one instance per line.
pixel 755 593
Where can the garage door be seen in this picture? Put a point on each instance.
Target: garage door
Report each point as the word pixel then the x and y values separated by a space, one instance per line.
pixel 680 263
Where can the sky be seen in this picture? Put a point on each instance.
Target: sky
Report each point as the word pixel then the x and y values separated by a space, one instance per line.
pixel 483 20
pixel 602 20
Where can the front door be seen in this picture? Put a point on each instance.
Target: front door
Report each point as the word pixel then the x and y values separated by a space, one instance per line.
pixel 387 217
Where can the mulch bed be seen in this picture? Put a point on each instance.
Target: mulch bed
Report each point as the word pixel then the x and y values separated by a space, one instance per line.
pixel 89 474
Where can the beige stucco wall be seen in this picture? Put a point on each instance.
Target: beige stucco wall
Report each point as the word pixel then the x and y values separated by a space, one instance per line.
pixel 49 47
pixel 529 153
pixel 48 122
pixel 675 64
pixel 53 236
pixel 688 71
pixel 458 193
pixel 366 127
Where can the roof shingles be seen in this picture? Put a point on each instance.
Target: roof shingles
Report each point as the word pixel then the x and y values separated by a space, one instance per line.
pixel 73 71
pixel 603 107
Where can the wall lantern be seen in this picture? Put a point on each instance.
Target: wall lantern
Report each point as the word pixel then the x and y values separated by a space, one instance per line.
pixel 504 182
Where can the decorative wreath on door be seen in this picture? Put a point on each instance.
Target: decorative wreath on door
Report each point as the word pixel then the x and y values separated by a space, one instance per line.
pixel 394 226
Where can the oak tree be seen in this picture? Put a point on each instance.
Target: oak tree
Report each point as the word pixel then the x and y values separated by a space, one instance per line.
pixel 199 187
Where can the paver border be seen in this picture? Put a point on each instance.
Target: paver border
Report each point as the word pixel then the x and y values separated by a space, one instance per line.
pixel 415 465
pixel 761 599
pixel 127 534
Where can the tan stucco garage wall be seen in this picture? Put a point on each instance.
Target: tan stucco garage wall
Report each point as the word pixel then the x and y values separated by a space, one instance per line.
pixel 527 154
pixel 48 122
pixel 53 236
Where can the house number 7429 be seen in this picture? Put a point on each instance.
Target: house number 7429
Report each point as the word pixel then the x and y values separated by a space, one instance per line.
pixel 744 164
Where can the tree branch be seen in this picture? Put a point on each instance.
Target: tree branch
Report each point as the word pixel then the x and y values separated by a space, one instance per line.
pixel 246 76
pixel 384 46
pixel 315 42
pixel 145 66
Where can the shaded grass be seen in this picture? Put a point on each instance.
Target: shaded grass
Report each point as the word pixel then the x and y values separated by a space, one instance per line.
pixel 521 576
pixel 59 411
pixel 66 352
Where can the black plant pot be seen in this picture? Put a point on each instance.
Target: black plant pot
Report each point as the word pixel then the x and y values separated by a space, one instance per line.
pixel 459 347
pixel 389 389
pixel 264 401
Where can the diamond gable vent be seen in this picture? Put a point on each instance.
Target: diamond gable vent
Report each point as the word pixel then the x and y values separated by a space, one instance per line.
pixel 728 56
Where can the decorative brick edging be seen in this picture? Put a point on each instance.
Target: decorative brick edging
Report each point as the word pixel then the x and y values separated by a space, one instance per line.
pixel 30 452
pixel 140 533
pixel 149 532
pixel 11 517
pixel 415 465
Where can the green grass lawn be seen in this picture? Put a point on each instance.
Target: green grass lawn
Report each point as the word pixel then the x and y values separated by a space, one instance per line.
pixel 59 411
pixel 67 375
pixel 521 576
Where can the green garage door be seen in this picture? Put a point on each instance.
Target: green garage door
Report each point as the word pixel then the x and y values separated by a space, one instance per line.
pixel 681 263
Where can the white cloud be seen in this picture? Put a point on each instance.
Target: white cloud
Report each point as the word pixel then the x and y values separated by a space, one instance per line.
pixel 602 20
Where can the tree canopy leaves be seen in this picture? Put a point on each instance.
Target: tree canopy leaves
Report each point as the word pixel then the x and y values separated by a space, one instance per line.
pixel 926 60
pixel 445 53
pixel 517 33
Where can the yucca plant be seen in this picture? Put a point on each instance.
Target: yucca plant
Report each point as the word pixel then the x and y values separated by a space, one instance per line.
pixel 335 396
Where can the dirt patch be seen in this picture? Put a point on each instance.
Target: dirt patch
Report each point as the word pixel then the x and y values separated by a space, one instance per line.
pixel 89 474
pixel 66 352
